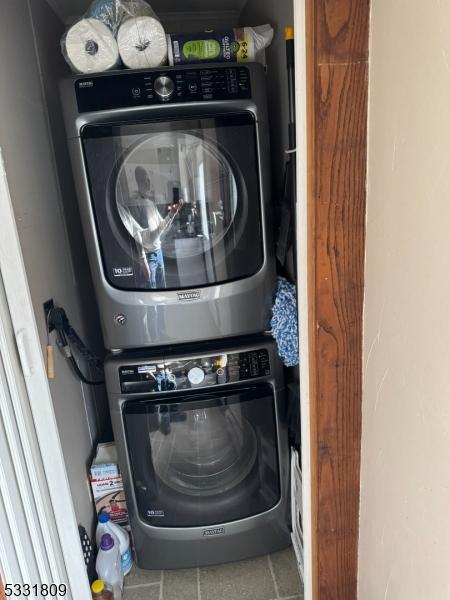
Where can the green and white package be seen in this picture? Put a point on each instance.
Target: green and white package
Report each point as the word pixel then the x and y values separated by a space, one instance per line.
pixel 245 44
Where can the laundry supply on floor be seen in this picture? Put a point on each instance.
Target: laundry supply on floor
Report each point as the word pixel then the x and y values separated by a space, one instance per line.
pixel 243 44
pixel 101 590
pixel 107 485
pixel 108 565
pixel 120 536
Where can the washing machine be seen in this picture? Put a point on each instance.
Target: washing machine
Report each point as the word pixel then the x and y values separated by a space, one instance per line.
pixel 202 444
pixel 171 167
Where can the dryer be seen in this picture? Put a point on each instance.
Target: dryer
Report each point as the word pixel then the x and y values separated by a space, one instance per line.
pixel 202 444
pixel 172 172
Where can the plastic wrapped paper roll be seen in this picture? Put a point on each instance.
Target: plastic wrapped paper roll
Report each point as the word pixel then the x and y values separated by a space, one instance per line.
pixel 114 12
pixel 89 47
pixel 142 43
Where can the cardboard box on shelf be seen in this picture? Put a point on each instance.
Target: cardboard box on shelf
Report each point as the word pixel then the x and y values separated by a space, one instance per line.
pixel 107 486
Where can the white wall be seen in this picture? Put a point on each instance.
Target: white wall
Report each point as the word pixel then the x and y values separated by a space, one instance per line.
pixel 30 167
pixel 405 491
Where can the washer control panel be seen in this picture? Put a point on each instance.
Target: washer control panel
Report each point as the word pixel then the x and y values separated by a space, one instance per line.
pixel 191 373
pixel 141 88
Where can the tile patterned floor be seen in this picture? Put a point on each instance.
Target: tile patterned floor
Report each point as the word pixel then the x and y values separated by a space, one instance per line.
pixel 272 577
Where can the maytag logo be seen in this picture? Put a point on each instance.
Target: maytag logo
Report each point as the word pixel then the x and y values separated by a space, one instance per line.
pixel 85 84
pixel 191 295
pixel 214 531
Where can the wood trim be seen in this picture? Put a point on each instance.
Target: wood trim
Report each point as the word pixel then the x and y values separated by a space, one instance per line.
pixel 337 89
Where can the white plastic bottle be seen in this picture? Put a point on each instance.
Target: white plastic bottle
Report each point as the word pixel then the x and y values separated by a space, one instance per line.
pixel 108 565
pixel 105 525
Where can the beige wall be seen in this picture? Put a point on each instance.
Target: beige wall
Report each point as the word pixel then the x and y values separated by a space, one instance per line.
pixel 405 502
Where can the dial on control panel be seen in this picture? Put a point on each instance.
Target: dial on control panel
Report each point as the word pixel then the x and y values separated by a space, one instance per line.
pixel 196 375
pixel 164 87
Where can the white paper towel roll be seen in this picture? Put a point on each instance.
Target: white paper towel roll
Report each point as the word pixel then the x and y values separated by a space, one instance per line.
pixel 142 43
pixel 91 47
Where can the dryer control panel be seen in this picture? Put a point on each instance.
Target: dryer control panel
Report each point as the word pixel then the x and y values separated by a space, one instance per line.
pixel 190 373
pixel 141 88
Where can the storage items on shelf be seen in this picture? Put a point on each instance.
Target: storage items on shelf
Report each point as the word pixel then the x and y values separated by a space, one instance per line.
pixel 114 12
pixel 107 486
pixel 142 43
pixel 128 32
pixel 110 27
pixel 89 46
pixel 243 44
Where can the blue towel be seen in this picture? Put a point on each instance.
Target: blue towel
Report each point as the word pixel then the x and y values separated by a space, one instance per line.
pixel 284 322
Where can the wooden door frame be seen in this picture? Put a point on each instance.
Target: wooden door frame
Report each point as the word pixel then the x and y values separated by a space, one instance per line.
pixel 337 42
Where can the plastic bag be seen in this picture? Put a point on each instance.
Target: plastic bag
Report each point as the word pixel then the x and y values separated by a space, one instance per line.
pixel 112 30
pixel 244 44
pixel 114 12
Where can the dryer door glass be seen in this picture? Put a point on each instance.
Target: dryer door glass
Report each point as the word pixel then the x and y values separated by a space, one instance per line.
pixel 204 459
pixel 176 203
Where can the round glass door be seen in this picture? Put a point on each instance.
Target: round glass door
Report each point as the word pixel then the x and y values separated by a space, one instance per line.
pixel 197 458
pixel 178 192
pixel 208 452
pixel 176 203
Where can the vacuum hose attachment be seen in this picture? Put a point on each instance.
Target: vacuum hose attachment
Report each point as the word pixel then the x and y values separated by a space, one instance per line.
pixel 66 339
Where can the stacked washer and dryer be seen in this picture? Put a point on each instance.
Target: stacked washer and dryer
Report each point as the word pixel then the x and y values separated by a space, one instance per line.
pixel 172 174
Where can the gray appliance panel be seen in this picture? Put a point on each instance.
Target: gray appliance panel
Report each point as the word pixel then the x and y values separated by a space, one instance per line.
pixel 133 319
pixel 185 547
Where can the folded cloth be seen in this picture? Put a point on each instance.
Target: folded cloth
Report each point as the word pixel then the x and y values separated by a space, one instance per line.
pixel 284 322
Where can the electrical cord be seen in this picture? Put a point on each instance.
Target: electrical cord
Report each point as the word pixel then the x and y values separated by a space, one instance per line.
pixel 65 335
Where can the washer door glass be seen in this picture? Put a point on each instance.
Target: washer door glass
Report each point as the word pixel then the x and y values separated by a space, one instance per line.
pixel 176 203
pixel 197 458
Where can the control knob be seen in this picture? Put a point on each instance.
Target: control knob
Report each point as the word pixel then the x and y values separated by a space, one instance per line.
pixel 164 87
pixel 221 376
pixel 196 375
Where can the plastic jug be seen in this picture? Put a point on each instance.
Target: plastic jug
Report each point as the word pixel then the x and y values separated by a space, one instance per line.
pixel 108 565
pixel 120 536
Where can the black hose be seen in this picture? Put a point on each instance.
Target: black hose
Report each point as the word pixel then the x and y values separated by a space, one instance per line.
pixel 66 335
pixel 76 368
